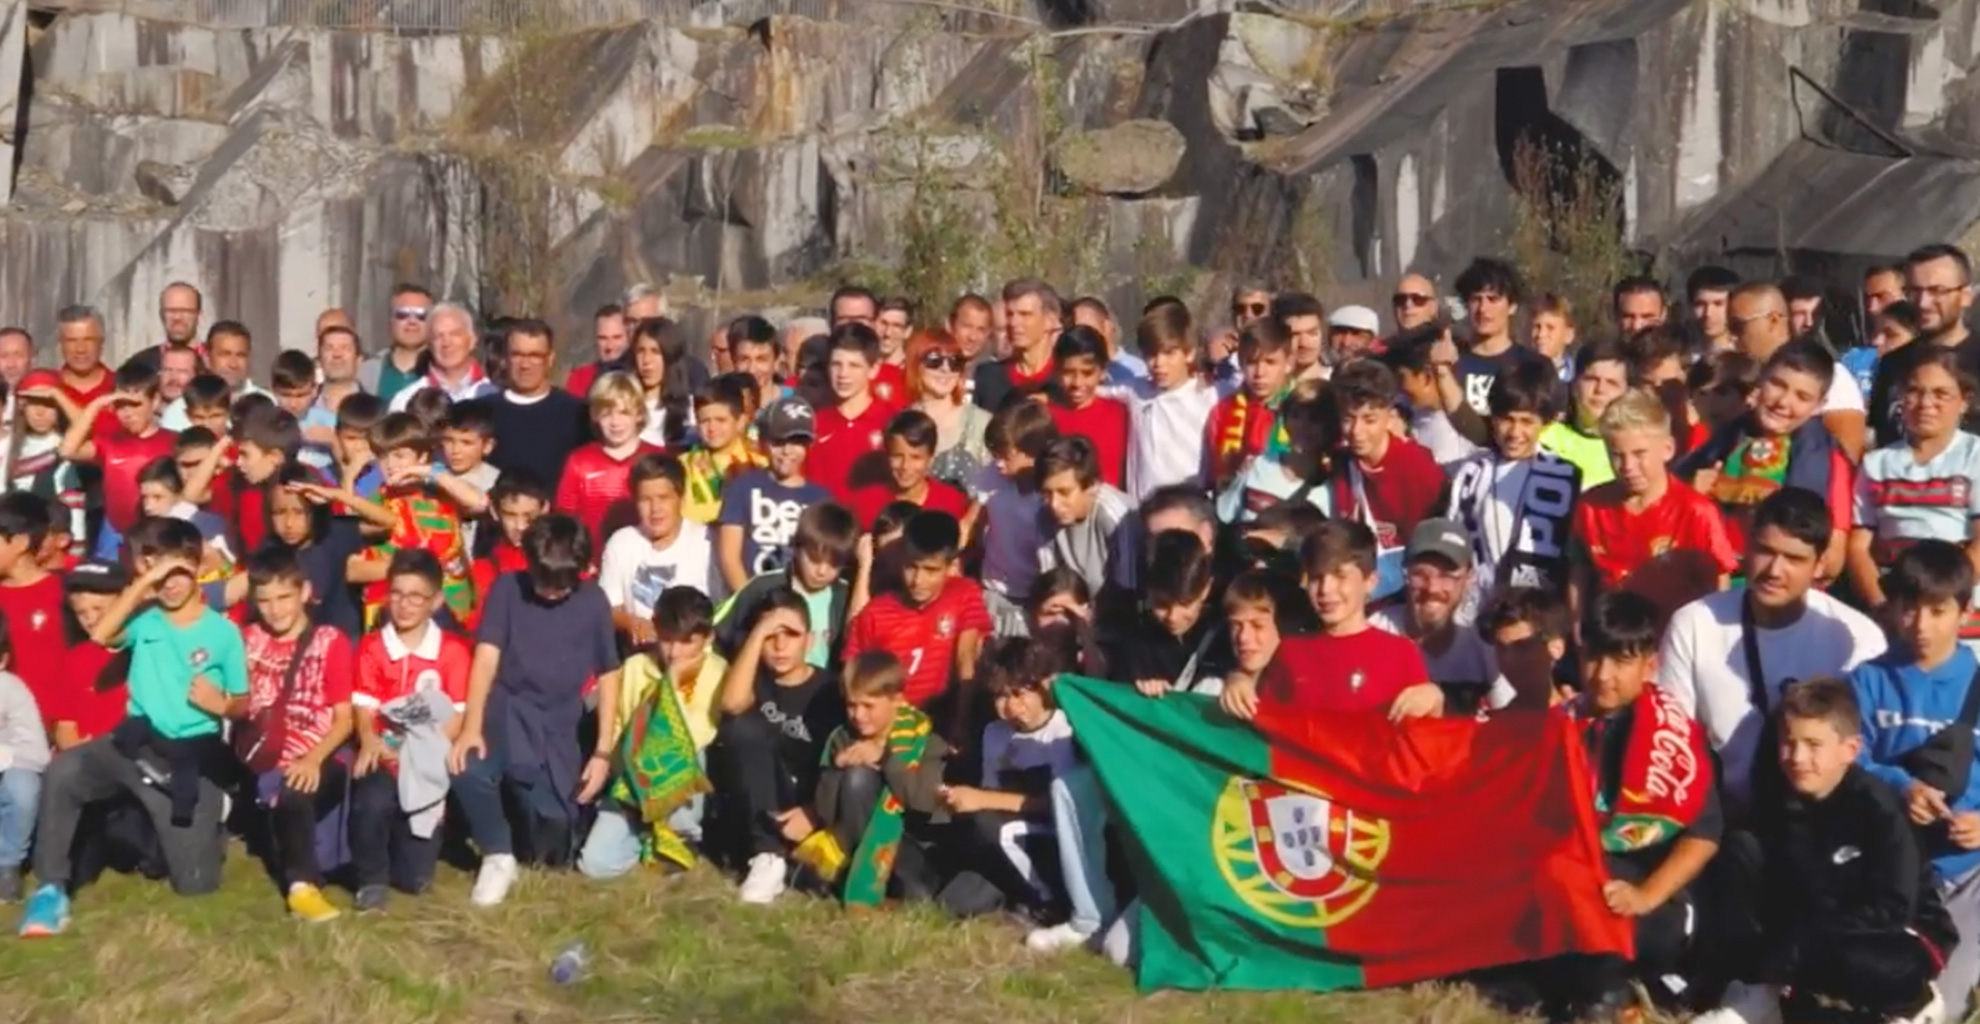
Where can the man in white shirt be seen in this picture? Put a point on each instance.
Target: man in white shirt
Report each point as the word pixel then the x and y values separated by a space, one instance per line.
pixel 1723 650
pixel 453 367
pixel 1757 315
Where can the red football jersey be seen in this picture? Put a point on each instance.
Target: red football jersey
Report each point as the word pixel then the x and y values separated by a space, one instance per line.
pixel 923 638
pixel 123 455
pixel 1362 671
pixel 387 669
pixel 1104 422
pixel 1404 489
pixel 849 451
pixel 40 647
pixel 106 421
pixel 1617 541
pixel 93 696
pixel 867 502
pixel 890 385
pixel 597 489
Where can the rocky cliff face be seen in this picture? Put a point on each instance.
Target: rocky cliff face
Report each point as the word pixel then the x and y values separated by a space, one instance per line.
pixel 746 163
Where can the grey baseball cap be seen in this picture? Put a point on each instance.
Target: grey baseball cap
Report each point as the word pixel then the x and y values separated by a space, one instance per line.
pixel 1443 538
pixel 789 419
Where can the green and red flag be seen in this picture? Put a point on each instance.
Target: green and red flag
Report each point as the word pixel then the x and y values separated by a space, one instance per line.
pixel 1327 852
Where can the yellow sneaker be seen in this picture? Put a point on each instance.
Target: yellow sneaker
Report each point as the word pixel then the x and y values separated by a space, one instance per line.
pixel 307 903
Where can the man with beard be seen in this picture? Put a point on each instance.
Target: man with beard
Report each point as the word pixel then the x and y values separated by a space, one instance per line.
pixel 1436 576
pixel 1938 279
pixel 179 307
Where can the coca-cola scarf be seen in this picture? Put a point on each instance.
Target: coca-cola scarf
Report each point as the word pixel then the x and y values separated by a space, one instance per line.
pixel 1666 775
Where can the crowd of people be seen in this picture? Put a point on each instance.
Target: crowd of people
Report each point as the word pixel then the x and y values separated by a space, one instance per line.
pixel 797 607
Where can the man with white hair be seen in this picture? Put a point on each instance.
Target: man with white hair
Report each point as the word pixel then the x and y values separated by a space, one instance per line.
pixel 451 365
pixel 643 302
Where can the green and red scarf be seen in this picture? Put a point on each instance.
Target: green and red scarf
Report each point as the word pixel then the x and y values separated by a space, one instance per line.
pixel 659 773
pixel 873 863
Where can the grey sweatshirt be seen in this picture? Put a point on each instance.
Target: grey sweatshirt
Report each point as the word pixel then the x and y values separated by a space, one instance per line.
pixel 23 742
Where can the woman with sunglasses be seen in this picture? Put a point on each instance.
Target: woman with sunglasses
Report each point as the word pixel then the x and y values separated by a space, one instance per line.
pixel 938 386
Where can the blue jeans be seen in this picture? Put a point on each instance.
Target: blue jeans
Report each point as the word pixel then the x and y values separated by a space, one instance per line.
pixel 1079 816
pixel 20 798
pixel 478 792
pixel 612 848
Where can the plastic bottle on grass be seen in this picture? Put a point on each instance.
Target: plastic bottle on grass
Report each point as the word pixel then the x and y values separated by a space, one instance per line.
pixel 569 965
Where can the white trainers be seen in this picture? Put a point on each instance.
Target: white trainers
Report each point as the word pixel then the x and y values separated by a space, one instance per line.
pixel 1056 938
pixel 765 881
pixel 1933 1013
pixel 1745 1004
pixel 491 884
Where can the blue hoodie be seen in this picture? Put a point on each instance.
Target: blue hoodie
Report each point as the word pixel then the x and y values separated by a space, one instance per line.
pixel 1902 706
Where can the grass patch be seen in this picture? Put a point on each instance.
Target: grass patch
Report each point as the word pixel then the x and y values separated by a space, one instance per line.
pixel 677 949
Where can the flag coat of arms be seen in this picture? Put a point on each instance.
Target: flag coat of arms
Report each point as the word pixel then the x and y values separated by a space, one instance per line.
pixel 1342 851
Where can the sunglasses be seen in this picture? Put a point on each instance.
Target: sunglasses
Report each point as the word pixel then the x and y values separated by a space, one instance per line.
pixel 938 360
pixel 1250 308
pixel 409 313
pixel 1412 299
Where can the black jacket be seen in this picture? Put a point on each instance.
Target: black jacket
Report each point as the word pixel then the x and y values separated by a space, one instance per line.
pixel 1150 651
pixel 1844 867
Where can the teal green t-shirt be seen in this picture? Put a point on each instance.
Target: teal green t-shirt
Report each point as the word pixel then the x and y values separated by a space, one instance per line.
pixel 164 660
pixel 819 606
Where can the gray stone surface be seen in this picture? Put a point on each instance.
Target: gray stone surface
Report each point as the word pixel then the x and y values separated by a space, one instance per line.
pixel 1129 158
pixel 744 156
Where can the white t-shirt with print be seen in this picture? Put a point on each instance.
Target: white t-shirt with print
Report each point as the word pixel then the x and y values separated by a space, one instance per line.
pixel 633 573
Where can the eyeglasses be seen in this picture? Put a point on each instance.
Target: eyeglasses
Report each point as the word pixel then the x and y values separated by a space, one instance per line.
pixel 1250 308
pixel 1937 291
pixel 515 356
pixel 938 360
pixel 1940 396
pixel 413 596
pixel 409 313
pixel 1411 299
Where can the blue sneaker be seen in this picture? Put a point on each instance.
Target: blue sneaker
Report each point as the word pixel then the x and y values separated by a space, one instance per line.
pixel 47 913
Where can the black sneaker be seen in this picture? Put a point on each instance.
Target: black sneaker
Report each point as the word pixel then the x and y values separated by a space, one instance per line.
pixel 371 899
pixel 10 885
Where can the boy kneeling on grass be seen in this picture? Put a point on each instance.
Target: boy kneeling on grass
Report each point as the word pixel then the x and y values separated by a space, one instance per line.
pixel 652 810
pixel 866 829
pixel 1851 924
pixel 188 674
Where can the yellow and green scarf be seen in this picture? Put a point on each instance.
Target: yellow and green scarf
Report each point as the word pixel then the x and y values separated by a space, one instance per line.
pixel 873 863
pixel 659 773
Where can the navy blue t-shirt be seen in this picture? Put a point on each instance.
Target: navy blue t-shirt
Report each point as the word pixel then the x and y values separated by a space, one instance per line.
pixel 768 513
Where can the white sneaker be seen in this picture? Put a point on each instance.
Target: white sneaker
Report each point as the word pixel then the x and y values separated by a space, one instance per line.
pixel 1933 1013
pixel 491 884
pixel 765 881
pixel 1056 938
pixel 1745 1004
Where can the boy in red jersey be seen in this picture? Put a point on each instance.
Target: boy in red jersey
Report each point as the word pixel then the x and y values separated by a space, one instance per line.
pixel 136 441
pixel 397 664
pixel 1247 423
pixel 851 431
pixel 910 439
pixel 518 500
pixel 1081 355
pixel 1643 512
pixel 1389 482
pixel 1349 665
pixel 31 600
pixel 596 488
pixel 92 702
pixel 934 621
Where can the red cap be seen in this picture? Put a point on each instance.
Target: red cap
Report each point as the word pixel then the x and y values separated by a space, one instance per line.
pixel 40 379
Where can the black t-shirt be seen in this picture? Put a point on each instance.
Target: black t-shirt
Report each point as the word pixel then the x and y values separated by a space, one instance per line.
pixel 997 384
pixel 538 435
pixel 325 564
pixel 1476 373
pixel 1886 387
pixel 805 714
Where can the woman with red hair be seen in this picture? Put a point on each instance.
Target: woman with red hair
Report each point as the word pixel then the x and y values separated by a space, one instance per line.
pixel 938 386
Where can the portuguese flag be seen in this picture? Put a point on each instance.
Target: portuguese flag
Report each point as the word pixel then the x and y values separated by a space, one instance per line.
pixel 1341 851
